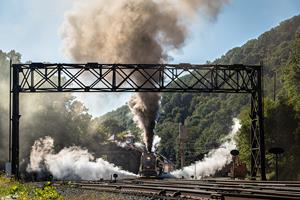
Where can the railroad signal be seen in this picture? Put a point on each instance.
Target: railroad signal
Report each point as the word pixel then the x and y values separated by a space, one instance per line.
pixel 234 154
pixel 115 176
pixel 276 151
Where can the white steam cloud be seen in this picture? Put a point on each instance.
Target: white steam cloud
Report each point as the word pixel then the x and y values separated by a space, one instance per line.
pixel 132 31
pixel 215 160
pixel 71 163
pixel 156 143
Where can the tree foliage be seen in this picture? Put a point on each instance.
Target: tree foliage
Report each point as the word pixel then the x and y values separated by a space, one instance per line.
pixel 282 118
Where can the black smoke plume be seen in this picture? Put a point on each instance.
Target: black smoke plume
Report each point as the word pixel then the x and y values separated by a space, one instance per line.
pixel 132 31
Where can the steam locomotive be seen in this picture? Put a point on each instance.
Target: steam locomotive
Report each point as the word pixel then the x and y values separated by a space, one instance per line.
pixel 151 165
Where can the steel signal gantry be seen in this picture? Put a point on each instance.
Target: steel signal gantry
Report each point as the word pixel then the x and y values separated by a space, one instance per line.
pixel 94 77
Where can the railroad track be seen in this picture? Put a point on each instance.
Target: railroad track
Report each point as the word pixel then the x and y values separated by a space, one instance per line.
pixel 196 189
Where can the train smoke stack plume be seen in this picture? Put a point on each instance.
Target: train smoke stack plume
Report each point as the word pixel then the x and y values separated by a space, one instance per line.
pixel 132 31
pixel 145 106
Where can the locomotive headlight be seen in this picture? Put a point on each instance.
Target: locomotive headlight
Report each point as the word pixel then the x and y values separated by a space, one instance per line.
pixel 148 158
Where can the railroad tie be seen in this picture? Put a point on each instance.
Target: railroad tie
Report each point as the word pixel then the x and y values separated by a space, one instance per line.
pixel 176 194
pixel 118 187
pixel 162 193
pixel 217 196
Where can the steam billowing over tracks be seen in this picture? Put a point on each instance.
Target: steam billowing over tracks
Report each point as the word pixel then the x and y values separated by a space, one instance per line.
pixel 195 189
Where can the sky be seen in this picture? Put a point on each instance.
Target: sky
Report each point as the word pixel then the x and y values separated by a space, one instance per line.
pixel 31 27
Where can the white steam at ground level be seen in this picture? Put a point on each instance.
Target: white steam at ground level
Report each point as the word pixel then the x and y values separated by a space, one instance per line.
pixel 72 163
pixel 215 160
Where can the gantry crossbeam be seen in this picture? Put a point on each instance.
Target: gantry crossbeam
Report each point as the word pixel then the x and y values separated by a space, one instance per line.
pixel 94 77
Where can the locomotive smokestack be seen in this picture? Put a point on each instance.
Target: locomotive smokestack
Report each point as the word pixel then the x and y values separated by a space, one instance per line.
pixel 144 107
pixel 132 31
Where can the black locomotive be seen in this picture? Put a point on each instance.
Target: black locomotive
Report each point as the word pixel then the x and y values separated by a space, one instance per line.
pixel 151 165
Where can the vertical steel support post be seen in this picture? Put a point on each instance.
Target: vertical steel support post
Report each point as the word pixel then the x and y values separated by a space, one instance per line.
pixel 9 110
pixel 161 77
pixel 261 123
pixel 114 78
pixel 257 138
pixel 15 121
pixel 59 68
pixel 253 136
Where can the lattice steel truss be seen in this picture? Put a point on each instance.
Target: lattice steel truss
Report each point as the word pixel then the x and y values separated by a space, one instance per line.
pixel 94 77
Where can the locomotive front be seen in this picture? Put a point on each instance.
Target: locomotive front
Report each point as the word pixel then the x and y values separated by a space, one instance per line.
pixel 150 165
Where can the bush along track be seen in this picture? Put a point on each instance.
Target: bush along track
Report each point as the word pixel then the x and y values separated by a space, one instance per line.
pixel 12 189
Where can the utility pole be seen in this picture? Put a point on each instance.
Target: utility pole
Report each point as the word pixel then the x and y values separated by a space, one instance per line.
pixel 195 169
pixel 182 141
pixel 274 86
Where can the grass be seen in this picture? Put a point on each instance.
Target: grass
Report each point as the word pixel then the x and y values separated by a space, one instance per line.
pixel 12 189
